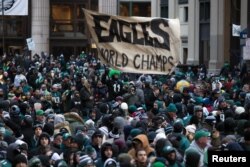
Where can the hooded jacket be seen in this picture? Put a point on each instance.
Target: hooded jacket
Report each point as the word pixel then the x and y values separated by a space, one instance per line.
pixel 100 161
pixel 12 151
pixel 145 144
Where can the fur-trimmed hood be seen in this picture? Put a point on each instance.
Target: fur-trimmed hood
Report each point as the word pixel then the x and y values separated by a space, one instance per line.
pixel 62 125
pixel 73 117
pixel 74 121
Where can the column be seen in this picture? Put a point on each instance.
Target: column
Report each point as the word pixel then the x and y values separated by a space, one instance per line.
pixel 172 9
pixel 216 35
pixel 193 32
pixel 40 25
pixel 243 23
pixel 108 7
pixel 243 15
pixel 155 8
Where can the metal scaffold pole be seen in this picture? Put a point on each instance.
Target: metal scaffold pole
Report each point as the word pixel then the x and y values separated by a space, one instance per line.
pixel 248 19
pixel 3 27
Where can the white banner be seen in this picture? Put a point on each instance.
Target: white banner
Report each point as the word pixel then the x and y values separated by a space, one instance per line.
pixel 136 44
pixel 14 7
pixel 248 42
pixel 246 53
pixel 31 44
pixel 236 29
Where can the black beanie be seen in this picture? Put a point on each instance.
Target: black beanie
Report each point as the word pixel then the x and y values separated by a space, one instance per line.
pixel 247 135
pixel 103 108
pixel 49 128
pixel 192 158
pixel 229 124
pixel 23 107
pixel 20 158
pixel 28 120
pixel 44 134
pixel 45 160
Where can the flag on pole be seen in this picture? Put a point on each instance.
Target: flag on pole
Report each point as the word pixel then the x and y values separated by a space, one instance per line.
pixel 236 29
pixel 14 7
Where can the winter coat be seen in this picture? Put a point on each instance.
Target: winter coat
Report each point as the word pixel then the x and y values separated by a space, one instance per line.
pixel 145 144
pixel 85 95
pixel 74 120
pixel 201 151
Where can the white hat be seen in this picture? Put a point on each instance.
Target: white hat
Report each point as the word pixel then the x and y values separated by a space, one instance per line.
pixel 89 122
pixel 55 157
pixel 159 136
pixel 104 130
pixel 131 83
pixel 20 142
pixel 239 110
pixel 37 106
pixel 124 106
pixel 6 114
pixel 190 128
pixel 110 162
pixel 2 130
pixel 85 160
pixel 214 113
pixel 55 86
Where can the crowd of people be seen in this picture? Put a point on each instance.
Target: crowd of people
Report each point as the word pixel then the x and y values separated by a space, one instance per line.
pixel 80 112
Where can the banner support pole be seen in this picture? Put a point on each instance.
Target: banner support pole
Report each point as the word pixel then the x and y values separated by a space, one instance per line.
pixel 3 27
pixel 118 7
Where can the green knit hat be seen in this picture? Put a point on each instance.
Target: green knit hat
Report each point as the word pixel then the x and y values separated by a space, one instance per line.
pixel 171 108
pixel 226 64
pixel 39 112
pixel 226 96
pixel 198 108
pixel 237 103
pixel 132 109
pixel 159 103
pixel 179 121
pixel 158 164
pixel 230 102
pixel 201 133
pixel 198 100
pixel 35 161
pixel 168 149
pixel 134 132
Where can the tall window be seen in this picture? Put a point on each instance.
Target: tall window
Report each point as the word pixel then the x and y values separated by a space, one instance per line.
pixel 135 9
pixel 185 17
pixel 68 33
pixel 204 10
pixel 62 17
pixel 204 55
pixel 164 8
pixel 183 2
pixel 14 26
pixel 183 14
pixel 67 17
pixel 124 9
